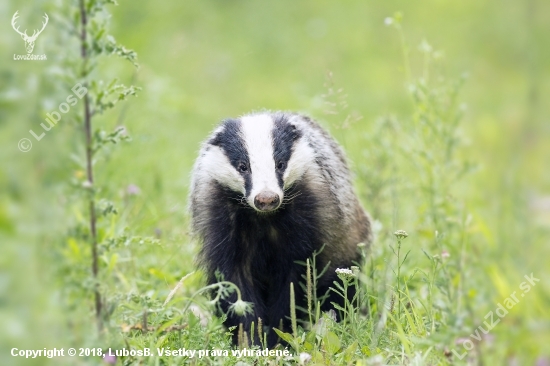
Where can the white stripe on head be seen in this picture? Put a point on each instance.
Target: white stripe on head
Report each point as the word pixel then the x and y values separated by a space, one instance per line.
pixel 218 167
pixel 257 132
pixel 301 160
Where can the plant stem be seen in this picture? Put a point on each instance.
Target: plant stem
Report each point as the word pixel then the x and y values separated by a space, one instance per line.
pixel 89 166
pixel 398 278
pixel 293 311
pixel 212 286
pixel 309 292
pixel 346 301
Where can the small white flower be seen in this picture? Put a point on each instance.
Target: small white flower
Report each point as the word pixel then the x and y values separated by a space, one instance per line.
pixel 400 234
pixel 87 184
pixel 388 21
pixel 241 307
pixel 304 358
pixel 200 314
pixel 344 273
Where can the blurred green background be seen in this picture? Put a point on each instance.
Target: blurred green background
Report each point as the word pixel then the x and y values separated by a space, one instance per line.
pixel 207 60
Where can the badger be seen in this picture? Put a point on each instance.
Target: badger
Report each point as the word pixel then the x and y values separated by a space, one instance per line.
pixel 267 191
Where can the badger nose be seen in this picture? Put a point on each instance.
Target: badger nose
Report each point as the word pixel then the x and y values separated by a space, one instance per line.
pixel 266 201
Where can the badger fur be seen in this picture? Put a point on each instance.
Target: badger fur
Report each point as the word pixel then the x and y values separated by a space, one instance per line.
pixel 267 190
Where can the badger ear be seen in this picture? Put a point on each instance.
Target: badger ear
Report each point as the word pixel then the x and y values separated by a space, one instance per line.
pixel 294 123
pixel 216 136
pixel 226 133
pixel 215 139
pixel 295 132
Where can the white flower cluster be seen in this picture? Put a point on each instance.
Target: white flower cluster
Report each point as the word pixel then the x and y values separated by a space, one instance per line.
pixel 345 273
pixel 400 234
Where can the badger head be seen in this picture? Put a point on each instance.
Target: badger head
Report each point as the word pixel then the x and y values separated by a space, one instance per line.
pixel 259 157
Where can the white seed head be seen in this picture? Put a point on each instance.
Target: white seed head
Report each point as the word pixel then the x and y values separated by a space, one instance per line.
pixel 241 307
pixel 400 234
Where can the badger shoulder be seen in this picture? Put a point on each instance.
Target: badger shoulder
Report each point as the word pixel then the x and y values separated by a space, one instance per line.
pixel 343 215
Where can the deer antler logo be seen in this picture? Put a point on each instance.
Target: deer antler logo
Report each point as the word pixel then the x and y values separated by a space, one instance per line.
pixel 29 40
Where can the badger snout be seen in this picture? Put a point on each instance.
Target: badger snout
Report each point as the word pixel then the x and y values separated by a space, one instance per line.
pixel 266 201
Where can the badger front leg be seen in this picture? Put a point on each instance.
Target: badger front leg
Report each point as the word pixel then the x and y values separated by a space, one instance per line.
pixel 279 306
pixel 237 316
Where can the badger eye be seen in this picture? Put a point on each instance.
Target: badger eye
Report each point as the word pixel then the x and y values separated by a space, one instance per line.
pixel 242 168
pixel 280 165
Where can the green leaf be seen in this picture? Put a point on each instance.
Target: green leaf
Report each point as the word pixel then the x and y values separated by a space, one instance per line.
pixel 427 255
pixel 404 259
pixel 308 346
pixel 331 342
pixel 287 337
pixel 311 336
pixel 366 351
pixel 350 351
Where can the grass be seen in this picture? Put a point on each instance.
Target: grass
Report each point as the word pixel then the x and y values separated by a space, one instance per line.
pixel 467 184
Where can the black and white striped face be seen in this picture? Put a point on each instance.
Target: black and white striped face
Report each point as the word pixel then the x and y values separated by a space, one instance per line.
pixel 258 156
